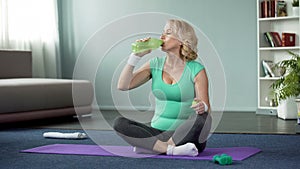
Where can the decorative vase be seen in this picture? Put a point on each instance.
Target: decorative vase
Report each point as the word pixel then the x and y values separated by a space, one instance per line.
pixel 298 108
pixel 296 11
pixel 287 109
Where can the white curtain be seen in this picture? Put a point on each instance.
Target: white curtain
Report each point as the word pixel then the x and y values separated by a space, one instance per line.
pixel 32 25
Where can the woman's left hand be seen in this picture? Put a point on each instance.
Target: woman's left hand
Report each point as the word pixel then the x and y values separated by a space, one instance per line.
pixel 198 106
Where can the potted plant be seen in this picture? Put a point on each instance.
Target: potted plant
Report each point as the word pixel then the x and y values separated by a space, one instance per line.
pixel 295 5
pixel 288 86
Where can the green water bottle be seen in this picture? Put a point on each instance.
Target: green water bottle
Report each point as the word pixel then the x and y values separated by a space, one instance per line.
pixel 142 46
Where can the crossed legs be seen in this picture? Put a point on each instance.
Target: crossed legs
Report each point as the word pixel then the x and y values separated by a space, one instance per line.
pixel 188 139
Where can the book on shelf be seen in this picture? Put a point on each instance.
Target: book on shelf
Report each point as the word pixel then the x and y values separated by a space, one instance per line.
pixel 273 39
pixel 268 8
pixel 288 39
pixel 269 39
pixel 267 68
pixel 272 7
pixel 264 5
pixel 276 39
pixel 281 8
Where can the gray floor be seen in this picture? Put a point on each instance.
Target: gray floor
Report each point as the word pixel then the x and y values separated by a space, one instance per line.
pixel 227 122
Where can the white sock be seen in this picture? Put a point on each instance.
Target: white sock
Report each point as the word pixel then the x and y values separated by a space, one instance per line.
pixel 188 149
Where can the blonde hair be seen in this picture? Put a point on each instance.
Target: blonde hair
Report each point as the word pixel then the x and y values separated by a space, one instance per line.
pixel 185 33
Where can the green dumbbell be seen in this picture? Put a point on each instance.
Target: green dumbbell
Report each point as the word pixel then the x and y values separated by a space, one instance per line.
pixel 222 159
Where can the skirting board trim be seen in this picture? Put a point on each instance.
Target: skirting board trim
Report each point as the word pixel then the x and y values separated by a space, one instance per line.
pixel 146 108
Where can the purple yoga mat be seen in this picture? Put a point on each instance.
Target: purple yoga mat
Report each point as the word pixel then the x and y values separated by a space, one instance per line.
pixel 237 153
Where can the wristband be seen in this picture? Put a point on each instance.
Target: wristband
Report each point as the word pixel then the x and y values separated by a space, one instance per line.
pixel 133 59
pixel 205 106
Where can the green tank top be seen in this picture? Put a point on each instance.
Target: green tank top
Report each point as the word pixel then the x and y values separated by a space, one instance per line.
pixel 172 101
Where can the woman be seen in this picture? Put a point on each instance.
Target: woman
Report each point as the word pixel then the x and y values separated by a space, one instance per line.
pixel 178 127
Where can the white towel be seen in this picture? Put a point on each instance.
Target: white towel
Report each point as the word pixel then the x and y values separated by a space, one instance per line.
pixel 76 135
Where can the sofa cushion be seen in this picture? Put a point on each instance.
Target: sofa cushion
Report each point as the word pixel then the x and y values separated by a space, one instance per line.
pixel 29 94
pixel 15 64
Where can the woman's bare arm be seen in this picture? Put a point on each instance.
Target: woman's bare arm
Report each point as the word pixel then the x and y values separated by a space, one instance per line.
pixel 201 90
pixel 130 79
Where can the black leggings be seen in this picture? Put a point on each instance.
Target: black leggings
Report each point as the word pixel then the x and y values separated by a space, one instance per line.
pixel 195 130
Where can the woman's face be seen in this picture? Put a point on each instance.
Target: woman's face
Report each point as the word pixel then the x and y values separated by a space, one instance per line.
pixel 171 43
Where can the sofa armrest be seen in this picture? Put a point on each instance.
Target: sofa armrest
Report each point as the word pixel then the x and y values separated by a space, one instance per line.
pixel 15 64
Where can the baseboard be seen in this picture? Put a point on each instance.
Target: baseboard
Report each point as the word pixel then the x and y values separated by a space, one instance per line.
pixel 146 108
pixel 239 109
pixel 272 112
pixel 298 128
pixel 124 108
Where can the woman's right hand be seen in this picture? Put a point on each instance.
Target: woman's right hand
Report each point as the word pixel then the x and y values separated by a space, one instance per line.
pixel 141 54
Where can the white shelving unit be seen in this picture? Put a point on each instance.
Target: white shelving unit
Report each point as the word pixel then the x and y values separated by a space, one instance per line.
pixel 288 23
